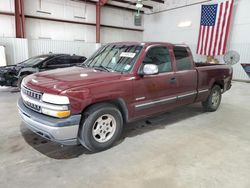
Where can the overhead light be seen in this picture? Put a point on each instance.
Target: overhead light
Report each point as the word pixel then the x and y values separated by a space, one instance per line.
pixel 139 5
pixel 185 24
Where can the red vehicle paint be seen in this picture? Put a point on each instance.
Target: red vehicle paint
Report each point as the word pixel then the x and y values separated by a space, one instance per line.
pixel 136 95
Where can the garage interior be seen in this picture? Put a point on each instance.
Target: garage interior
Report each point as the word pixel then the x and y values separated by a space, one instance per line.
pixel 185 147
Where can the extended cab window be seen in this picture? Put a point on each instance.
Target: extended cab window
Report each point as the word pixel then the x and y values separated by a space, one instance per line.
pixel 183 61
pixel 159 56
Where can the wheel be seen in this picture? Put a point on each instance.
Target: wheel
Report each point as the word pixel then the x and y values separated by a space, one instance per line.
pixel 101 126
pixel 19 81
pixel 213 101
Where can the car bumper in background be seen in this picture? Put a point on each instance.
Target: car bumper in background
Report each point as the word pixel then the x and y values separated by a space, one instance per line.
pixel 63 131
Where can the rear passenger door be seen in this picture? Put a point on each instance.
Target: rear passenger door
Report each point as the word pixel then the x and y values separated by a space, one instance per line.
pixel 186 75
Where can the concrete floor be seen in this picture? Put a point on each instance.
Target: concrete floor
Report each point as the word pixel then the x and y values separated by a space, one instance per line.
pixel 183 148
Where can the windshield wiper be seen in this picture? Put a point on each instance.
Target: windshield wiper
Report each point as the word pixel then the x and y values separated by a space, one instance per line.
pixel 82 65
pixel 101 67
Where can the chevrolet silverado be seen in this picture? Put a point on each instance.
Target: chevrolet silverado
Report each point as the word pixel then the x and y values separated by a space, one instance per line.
pixel 121 82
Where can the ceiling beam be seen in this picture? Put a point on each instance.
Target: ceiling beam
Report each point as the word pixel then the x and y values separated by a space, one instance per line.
pixel 132 3
pixel 107 4
pixel 158 1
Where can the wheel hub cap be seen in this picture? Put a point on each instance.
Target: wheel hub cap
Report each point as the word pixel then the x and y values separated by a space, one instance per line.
pixel 104 128
pixel 215 98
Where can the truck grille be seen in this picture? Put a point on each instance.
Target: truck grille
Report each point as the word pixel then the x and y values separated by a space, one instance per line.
pixel 35 96
pixel 31 93
pixel 32 106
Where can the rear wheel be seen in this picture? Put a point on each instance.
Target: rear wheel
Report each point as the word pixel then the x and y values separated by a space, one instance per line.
pixel 101 127
pixel 213 101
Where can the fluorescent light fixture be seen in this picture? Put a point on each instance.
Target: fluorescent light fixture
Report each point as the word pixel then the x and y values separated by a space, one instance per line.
pixel 80 17
pixel 185 24
pixel 43 12
pixel 139 5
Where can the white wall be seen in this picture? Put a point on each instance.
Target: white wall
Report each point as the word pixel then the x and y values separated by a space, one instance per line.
pixel 164 27
pixel 7 23
pixel 7 5
pixel 67 10
pixel 18 50
pixel 38 29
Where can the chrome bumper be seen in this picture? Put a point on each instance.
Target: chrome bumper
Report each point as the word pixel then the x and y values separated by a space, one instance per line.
pixel 63 131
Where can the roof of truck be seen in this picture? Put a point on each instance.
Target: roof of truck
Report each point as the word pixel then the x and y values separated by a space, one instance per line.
pixel 148 43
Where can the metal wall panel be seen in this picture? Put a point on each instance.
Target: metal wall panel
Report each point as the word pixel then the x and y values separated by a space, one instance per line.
pixel 42 46
pixel 16 49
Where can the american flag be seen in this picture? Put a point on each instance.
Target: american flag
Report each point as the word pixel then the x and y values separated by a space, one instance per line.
pixel 214 28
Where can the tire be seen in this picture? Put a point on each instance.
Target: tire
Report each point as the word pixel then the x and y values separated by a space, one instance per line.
pixel 213 101
pixel 100 127
pixel 19 81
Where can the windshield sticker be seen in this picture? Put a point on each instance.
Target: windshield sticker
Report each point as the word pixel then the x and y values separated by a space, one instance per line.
pixel 113 61
pixel 127 67
pixel 128 54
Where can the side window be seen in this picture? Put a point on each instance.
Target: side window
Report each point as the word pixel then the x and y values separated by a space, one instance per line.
pixel 159 56
pixel 183 61
pixel 50 62
pixel 62 61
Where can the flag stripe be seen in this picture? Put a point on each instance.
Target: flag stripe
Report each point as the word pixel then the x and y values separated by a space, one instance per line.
pixel 211 42
pixel 206 42
pixel 228 26
pixel 222 28
pixel 218 27
pixel 199 39
pixel 202 38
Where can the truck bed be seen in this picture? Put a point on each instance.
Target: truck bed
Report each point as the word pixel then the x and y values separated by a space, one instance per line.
pixel 199 64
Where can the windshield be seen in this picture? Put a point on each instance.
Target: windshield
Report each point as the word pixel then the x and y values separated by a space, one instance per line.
pixel 114 58
pixel 34 60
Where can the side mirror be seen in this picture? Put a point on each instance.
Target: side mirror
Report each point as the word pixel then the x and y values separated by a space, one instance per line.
pixel 150 69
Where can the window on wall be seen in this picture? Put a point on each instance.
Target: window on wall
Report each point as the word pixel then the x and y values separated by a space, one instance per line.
pixel 182 57
pixel 159 56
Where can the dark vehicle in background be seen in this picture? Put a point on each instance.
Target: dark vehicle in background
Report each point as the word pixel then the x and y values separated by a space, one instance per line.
pixel 246 67
pixel 13 75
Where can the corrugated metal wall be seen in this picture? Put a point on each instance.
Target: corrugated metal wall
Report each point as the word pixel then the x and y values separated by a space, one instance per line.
pixel 37 47
pixel 18 50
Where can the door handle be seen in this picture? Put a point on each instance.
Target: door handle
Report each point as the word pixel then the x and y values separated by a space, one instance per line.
pixel 172 80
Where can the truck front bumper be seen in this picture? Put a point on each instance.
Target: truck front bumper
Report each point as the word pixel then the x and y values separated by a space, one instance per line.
pixel 63 131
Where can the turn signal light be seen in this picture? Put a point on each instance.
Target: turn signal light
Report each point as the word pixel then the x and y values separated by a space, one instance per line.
pixel 63 113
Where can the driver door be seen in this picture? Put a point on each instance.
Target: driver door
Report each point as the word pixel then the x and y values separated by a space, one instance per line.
pixel 155 93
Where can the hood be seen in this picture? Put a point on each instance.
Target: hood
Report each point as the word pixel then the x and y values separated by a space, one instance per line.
pixel 9 68
pixel 58 80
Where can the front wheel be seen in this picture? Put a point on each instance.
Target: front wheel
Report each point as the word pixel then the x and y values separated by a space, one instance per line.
pixel 19 81
pixel 213 101
pixel 101 127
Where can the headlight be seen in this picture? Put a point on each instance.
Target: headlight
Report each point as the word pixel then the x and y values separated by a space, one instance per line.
pixel 58 105
pixel 55 99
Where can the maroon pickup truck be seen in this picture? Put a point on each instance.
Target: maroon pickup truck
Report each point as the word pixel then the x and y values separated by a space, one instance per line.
pixel 120 83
